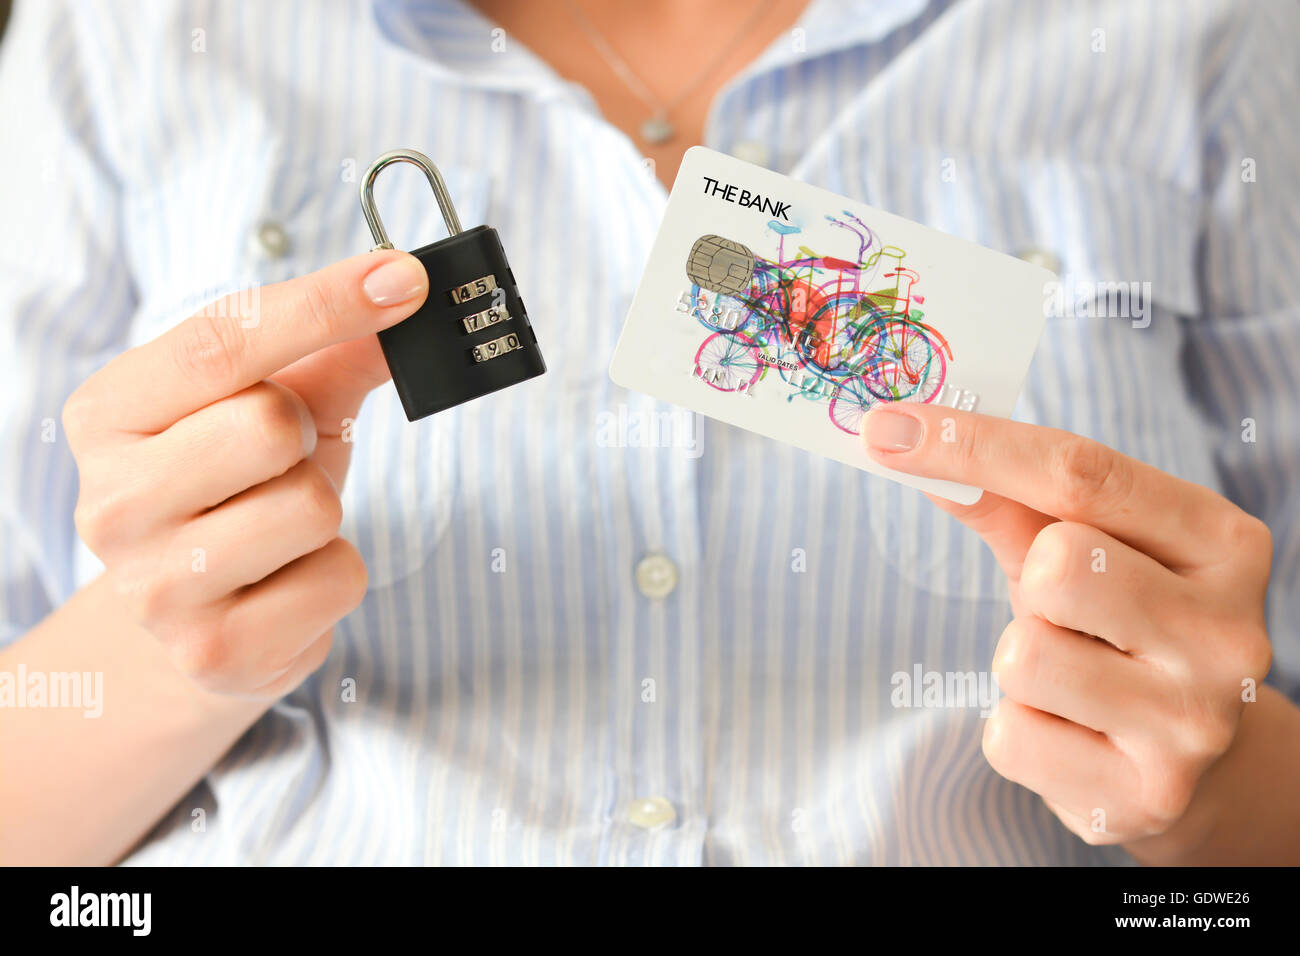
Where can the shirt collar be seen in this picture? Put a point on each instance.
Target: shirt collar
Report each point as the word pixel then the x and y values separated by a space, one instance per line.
pixel 453 37
pixel 833 25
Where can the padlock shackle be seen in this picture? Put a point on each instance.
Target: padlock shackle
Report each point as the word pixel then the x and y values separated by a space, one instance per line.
pixel 430 173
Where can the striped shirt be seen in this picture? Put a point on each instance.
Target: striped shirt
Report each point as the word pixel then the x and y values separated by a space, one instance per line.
pixel 511 690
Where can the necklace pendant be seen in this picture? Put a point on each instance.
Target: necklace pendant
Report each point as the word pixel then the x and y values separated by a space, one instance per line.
pixel 657 130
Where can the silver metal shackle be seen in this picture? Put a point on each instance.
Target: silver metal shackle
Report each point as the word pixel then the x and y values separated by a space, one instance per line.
pixel 430 173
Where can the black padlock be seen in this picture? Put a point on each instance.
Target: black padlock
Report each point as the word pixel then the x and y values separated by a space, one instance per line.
pixel 472 335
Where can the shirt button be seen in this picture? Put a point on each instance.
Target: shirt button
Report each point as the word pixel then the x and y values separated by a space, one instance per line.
pixel 656 575
pixel 1041 257
pixel 651 813
pixel 751 152
pixel 272 240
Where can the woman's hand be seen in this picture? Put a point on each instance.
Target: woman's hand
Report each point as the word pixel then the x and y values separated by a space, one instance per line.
pixel 1139 631
pixel 211 461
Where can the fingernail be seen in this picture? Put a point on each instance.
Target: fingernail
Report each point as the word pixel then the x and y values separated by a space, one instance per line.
pixel 396 281
pixel 891 431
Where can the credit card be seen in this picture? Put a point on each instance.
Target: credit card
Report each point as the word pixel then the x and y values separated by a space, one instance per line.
pixel 784 309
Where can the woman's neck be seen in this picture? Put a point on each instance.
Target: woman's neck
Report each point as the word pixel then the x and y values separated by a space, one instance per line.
pixel 669 47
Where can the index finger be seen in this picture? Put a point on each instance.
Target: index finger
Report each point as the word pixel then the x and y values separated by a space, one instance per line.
pixel 1056 472
pixel 245 337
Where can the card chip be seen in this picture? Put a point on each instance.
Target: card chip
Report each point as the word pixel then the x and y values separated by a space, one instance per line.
pixel 720 265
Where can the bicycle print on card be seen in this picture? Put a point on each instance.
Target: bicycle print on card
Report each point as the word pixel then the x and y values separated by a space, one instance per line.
pixel 849 333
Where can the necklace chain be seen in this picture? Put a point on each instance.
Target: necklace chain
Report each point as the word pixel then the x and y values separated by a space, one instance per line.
pixel 658 128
